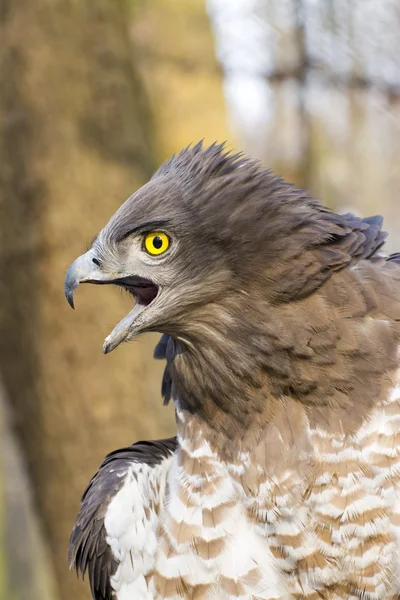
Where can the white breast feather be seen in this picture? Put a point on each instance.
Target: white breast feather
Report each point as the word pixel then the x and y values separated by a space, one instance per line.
pixel 131 525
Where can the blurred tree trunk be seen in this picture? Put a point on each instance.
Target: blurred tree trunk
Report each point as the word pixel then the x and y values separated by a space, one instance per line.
pixel 75 140
pixel 174 45
pixel 26 570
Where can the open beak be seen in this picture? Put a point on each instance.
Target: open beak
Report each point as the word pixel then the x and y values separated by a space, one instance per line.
pixel 87 270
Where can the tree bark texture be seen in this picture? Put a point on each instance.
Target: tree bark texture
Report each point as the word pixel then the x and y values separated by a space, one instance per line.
pixel 76 139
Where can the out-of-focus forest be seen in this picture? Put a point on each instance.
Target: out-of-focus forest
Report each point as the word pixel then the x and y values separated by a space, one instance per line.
pixel 93 96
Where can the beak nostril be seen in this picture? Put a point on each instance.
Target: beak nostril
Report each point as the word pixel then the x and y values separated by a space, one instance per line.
pixel 96 262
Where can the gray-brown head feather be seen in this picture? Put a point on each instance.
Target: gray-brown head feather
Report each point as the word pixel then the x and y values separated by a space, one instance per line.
pixel 228 211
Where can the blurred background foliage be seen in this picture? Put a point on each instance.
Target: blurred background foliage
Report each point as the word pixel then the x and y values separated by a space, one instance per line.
pixel 93 96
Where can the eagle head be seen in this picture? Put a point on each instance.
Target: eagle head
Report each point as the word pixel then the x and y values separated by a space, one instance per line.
pixel 212 243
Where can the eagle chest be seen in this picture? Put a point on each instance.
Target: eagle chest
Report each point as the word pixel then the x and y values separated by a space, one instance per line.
pixel 210 543
pixel 199 526
pixel 230 529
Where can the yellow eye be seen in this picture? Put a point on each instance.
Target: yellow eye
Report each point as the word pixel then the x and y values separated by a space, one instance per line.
pixel 156 242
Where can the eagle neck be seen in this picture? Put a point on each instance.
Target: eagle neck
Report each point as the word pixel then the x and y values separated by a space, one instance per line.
pixel 221 385
pixel 333 360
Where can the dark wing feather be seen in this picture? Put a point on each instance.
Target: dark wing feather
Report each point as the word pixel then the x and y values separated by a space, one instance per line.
pixel 352 238
pixel 370 235
pixel 88 548
pixel 394 257
pixel 330 243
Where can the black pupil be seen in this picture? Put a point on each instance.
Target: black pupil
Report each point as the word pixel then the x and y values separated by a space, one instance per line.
pixel 157 242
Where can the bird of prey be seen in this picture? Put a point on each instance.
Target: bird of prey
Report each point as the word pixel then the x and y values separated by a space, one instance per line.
pixel 280 325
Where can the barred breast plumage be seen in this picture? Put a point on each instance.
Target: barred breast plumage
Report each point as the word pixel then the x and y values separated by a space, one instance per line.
pixel 193 525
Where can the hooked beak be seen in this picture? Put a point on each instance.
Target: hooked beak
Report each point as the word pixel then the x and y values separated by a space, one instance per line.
pixel 83 270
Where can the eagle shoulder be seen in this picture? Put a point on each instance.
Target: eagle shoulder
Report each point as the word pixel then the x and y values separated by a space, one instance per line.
pixel 119 511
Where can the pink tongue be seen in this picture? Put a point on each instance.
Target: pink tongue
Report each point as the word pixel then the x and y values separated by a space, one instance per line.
pixel 121 331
